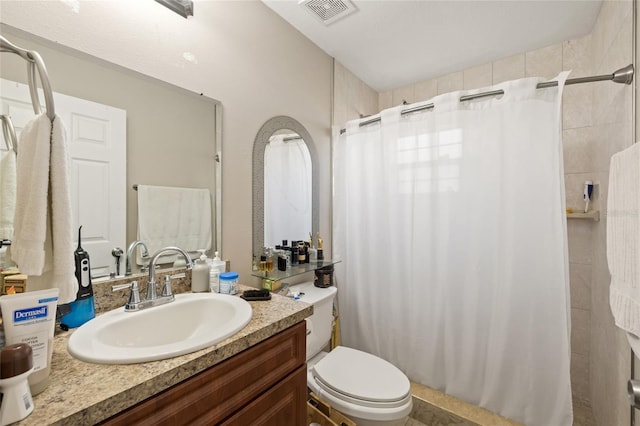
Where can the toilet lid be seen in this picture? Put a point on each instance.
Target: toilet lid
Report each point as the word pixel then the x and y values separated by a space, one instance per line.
pixel 361 375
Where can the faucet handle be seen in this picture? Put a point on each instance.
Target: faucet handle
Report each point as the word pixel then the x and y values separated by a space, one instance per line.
pixel 121 286
pixel 134 296
pixel 166 289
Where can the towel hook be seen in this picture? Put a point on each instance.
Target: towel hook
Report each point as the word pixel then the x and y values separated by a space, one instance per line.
pixel 9 133
pixel 34 63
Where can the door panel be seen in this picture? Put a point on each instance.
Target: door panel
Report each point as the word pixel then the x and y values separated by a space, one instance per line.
pixel 96 136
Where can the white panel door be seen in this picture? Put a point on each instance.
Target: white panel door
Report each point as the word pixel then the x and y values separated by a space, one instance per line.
pixel 96 136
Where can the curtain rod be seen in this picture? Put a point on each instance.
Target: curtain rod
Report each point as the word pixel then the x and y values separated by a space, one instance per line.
pixel 623 75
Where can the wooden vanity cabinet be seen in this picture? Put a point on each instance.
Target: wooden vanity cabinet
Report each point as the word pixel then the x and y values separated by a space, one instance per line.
pixel 265 384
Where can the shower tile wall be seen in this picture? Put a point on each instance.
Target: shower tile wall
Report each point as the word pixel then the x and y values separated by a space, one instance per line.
pixel 596 124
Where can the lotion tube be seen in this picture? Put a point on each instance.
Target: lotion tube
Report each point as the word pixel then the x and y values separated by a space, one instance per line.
pixel 30 318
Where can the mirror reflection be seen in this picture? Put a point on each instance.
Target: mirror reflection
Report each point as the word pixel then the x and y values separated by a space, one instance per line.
pixel 287 188
pixel 169 137
pixel 285 184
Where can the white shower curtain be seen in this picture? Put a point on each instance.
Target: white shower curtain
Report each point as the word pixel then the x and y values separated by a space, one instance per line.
pixel 450 224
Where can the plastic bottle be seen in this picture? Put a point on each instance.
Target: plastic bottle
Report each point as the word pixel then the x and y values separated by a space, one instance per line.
pixel 217 267
pixel 200 275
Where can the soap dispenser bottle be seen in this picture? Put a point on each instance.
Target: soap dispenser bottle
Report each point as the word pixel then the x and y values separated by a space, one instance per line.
pixel 218 266
pixel 200 275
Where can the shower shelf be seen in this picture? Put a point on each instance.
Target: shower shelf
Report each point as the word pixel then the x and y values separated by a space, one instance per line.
pixel 593 215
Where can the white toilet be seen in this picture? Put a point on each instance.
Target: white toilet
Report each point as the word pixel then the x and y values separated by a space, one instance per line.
pixel 364 387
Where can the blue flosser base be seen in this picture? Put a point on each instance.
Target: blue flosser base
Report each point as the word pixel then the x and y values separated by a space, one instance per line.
pixel 81 312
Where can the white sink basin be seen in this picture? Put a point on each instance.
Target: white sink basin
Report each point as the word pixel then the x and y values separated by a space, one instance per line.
pixel 192 322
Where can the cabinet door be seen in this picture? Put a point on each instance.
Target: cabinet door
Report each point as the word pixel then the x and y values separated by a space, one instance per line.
pixel 284 404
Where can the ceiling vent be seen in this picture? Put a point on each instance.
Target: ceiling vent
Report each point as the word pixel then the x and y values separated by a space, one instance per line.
pixel 329 11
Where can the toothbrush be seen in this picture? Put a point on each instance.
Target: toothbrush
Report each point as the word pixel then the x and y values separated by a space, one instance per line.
pixel 588 192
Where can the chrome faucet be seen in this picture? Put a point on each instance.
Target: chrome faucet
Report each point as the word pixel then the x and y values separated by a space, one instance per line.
pixel 130 251
pixel 152 299
pixel 151 286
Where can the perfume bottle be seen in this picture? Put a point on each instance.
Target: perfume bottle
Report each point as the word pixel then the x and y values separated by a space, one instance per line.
pixel 295 252
pixel 302 253
pixel 270 259
pixel 282 262
pixel 320 255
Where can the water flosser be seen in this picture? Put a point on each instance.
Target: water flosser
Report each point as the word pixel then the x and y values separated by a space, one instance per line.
pixel 588 192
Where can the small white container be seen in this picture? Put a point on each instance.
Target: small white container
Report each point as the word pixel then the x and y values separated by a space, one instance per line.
pixel 218 266
pixel 229 283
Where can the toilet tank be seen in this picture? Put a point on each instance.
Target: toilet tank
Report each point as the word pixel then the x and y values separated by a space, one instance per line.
pixel 319 325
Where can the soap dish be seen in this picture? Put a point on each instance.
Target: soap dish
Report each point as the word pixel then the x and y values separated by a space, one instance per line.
pixel 256 295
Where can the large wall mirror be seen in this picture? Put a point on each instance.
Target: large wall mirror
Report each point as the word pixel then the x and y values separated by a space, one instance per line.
pixel 173 137
pixel 285 184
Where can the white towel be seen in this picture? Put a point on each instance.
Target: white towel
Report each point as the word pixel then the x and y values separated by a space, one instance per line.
pixel 171 216
pixel 623 238
pixel 43 237
pixel 7 194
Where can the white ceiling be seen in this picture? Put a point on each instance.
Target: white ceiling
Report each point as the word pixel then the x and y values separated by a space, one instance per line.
pixel 392 43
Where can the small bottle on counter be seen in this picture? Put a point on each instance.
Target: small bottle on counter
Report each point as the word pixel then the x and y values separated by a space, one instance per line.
pixel 217 267
pixel 200 275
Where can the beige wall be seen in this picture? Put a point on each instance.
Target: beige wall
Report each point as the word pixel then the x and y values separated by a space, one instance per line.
pixel 239 52
pixel 597 122
pixel 352 97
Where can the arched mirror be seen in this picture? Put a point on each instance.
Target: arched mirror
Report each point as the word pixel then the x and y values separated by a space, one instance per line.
pixel 285 184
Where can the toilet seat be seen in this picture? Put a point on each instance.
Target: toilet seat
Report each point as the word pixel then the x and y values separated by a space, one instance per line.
pixel 361 379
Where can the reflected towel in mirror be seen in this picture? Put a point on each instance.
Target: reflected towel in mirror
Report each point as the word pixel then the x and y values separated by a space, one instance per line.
pixel 173 216
pixel 7 193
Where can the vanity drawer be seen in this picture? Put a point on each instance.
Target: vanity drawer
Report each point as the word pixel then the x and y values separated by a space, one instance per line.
pixel 217 393
pixel 284 404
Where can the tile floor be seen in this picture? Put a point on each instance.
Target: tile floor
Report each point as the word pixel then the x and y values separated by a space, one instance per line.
pixel 432 408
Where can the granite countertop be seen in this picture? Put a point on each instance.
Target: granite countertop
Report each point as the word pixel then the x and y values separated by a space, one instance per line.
pixel 82 393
